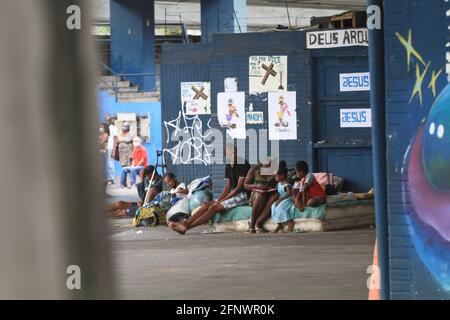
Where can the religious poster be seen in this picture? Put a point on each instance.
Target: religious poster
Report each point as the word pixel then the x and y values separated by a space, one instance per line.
pixel 267 73
pixel 282 115
pixel 196 97
pixel 231 113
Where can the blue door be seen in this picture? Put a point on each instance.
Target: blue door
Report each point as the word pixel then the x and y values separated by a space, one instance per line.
pixel 342 119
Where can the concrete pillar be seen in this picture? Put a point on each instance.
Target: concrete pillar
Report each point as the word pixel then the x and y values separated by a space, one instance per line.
pixel 223 16
pixel 52 220
pixel 133 40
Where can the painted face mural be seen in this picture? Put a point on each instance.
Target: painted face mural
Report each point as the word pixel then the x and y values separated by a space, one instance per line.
pixel 427 173
pixel 426 162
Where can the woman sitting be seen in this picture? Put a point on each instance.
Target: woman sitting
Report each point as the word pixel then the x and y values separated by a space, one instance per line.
pixel 261 182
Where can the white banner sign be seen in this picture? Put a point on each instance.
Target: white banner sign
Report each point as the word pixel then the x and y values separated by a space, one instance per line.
pixel 354 82
pixel 336 38
pixel 356 118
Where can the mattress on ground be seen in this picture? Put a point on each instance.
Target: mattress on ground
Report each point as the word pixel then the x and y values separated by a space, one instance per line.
pixel 244 213
pixel 336 216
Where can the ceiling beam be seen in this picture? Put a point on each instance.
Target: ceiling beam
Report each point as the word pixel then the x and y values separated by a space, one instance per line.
pixel 313 4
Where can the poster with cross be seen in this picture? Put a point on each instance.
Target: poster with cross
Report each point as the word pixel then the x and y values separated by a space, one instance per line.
pixel 267 74
pixel 196 97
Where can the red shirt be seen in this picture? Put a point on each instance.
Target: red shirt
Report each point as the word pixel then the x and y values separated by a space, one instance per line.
pixel 314 189
pixel 140 156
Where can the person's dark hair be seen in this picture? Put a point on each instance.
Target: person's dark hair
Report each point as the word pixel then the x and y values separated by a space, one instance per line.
pixel 149 169
pixel 302 166
pixel 282 168
pixel 171 175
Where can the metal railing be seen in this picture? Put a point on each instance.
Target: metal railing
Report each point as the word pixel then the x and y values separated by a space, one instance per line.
pixel 114 86
pixel 117 77
pixel 182 25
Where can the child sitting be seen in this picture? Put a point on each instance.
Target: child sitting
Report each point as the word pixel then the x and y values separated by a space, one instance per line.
pixel 307 191
pixel 282 209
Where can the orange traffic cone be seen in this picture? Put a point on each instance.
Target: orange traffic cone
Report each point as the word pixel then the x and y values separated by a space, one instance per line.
pixel 374 282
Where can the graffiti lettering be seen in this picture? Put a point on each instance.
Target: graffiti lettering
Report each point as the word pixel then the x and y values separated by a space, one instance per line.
pixel 191 145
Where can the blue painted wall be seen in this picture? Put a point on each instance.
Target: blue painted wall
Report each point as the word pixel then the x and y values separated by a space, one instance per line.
pixel 133 40
pixel 223 58
pixel 418 153
pixel 224 16
pixel 182 63
pixel 108 105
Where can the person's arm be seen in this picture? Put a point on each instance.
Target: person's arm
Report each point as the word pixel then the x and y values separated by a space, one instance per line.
pixel 309 179
pixel 141 175
pixel 181 188
pixel 115 142
pixel 225 190
pixel 238 189
pixel 248 185
pixel 288 194
pixel 104 138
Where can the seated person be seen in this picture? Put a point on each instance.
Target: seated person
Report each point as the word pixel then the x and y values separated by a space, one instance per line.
pixel 140 161
pixel 260 181
pixel 281 209
pixel 179 211
pixel 233 194
pixel 307 191
pixel 142 187
pixel 121 209
pixel 126 208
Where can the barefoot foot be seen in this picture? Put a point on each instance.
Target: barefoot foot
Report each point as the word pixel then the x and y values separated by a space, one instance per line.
pixel 178 227
pixel 291 225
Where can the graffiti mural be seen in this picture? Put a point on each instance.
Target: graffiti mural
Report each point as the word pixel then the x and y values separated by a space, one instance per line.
pixel 191 142
pixel 426 161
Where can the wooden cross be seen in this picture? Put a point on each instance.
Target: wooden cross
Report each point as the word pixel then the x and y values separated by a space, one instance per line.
pixel 269 71
pixel 199 93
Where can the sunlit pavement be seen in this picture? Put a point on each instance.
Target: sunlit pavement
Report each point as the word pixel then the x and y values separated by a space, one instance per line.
pixel 156 263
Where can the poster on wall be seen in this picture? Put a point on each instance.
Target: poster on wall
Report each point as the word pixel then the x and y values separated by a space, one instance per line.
pixel 349 82
pixel 356 118
pixel 230 84
pixel 255 117
pixel 231 113
pixel 267 73
pixel 336 38
pixel 282 115
pixel 196 97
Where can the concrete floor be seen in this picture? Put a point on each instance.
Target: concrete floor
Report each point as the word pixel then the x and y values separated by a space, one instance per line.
pixel 156 263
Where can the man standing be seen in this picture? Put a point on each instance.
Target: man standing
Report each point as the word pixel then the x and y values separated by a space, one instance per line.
pixel 140 161
pixel 112 136
pixel 233 194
